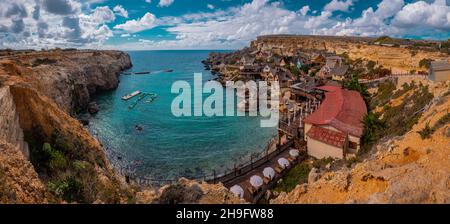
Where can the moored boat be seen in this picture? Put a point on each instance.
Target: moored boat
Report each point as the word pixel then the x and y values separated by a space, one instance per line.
pixel 131 95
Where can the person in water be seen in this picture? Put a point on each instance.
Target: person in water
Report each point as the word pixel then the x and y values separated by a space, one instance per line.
pixel 138 128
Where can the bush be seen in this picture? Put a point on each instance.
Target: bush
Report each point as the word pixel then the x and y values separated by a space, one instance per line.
pixel 426 132
pixel 70 189
pixel 297 175
pixel 320 163
pixel 56 160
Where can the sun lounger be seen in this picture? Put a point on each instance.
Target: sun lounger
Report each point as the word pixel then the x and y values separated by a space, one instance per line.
pixel 266 180
pixel 290 159
pixel 278 169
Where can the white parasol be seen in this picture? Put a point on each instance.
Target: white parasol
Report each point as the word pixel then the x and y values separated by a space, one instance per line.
pixel 269 172
pixel 237 190
pixel 283 162
pixel 256 181
pixel 294 153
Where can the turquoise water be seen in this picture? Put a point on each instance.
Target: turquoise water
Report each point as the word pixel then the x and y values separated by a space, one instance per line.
pixel 170 147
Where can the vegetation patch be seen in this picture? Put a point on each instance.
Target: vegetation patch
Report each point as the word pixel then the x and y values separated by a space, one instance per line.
pixel 394 120
pixel 69 168
pixel 297 175
pixel 43 61
pixel 427 131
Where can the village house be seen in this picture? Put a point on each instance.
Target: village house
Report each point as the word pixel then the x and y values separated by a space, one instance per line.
pixel 335 128
pixel 334 68
pixel 439 71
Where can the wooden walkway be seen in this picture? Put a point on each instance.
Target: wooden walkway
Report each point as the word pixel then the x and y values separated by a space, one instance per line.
pixel 242 176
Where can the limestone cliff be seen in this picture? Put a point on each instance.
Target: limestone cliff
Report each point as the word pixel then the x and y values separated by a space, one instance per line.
pixel 69 78
pixel 399 59
pixel 64 163
pixel 38 91
pixel 403 169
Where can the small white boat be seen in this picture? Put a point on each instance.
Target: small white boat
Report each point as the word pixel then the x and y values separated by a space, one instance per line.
pixel 131 95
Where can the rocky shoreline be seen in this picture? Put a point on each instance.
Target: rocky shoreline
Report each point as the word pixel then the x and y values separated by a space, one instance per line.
pixel 45 91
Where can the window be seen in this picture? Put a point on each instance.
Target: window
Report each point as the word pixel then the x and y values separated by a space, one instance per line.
pixel 352 145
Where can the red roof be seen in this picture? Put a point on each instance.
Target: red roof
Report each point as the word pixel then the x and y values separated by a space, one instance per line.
pixel 327 136
pixel 342 109
pixel 329 88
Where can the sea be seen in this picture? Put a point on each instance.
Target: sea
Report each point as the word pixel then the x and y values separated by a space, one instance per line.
pixel 169 147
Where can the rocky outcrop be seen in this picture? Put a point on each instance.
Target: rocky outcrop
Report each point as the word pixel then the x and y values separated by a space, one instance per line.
pixel 404 169
pixel 39 91
pixel 10 129
pixel 189 192
pixel 68 78
pixel 19 183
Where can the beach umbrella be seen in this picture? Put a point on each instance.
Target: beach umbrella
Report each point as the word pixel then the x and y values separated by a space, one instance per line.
pixel 283 162
pixel 237 190
pixel 269 172
pixel 256 181
pixel 294 153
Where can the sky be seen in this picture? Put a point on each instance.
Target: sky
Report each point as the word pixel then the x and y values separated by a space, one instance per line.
pixel 209 24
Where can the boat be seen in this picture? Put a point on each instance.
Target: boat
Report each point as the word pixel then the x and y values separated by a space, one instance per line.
pixel 141 73
pixel 168 70
pixel 131 95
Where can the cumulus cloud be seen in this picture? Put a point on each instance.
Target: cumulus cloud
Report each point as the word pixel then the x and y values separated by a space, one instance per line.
pixel 337 5
pixel 37 24
pixel 74 23
pixel 148 21
pixel 121 11
pixel 165 3
pixel 304 10
pixel 423 14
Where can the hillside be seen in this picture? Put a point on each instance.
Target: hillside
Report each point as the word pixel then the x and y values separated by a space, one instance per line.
pixel 401 59
pixel 398 169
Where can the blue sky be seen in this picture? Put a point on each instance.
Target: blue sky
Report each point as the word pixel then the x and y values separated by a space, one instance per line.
pixel 209 24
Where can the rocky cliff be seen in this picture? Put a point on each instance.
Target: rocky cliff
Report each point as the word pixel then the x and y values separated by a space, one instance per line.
pixel 38 91
pixel 399 59
pixel 69 78
pixel 401 169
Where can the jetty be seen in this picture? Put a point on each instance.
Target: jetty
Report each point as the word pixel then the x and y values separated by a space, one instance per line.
pixel 142 96
pixel 131 95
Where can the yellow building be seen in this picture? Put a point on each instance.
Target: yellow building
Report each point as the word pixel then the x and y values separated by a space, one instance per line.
pixel 335 128
pixel 439 71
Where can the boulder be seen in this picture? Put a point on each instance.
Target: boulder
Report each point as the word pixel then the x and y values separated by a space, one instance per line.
pixel 313 175
pixel 93 108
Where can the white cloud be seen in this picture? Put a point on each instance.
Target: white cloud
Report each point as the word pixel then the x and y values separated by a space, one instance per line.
pixel 31 23
pixel 423 14
pixel 165 3
pixel 210 6
pixel 337 5
pixel 121 11
pixel 304 10
pixel 148 21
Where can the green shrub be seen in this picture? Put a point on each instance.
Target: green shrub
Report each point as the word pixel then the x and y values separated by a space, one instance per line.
pixel 297 175
pixel 70 189
pixel 56 160
pixel 320 163
pixel 426 132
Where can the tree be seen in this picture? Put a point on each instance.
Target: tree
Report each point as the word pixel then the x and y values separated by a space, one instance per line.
pixel 425 63
pixel 353 84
